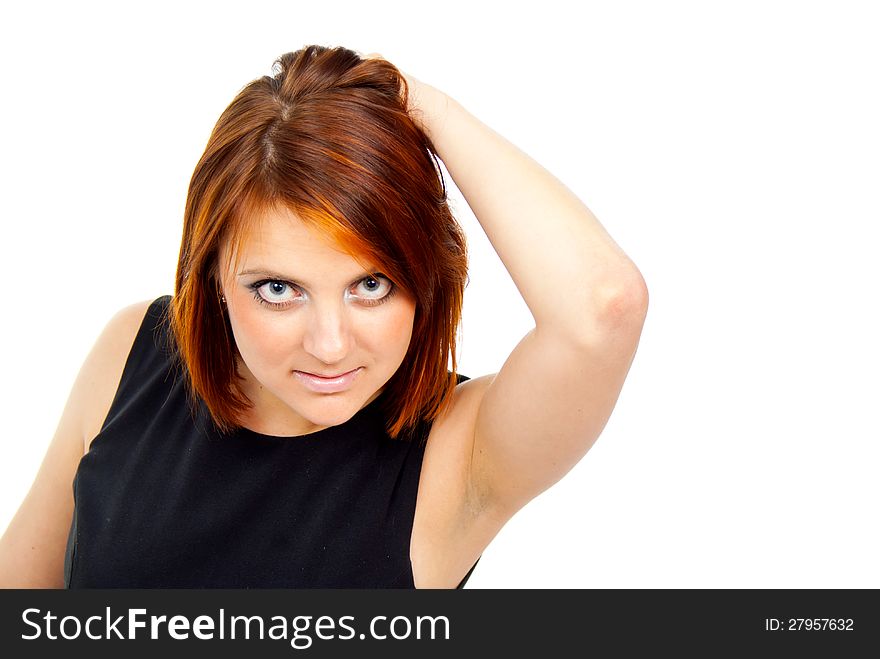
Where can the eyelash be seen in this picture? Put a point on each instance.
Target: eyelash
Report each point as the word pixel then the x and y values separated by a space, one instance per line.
pixel 275 305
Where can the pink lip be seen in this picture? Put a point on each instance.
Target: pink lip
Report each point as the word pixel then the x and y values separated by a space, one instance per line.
pixel 327 385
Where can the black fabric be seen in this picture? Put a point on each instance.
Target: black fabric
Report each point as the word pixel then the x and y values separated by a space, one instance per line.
pixel 163 500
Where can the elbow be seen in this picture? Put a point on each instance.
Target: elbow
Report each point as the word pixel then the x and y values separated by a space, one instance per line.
pixel 614 312
pixel 621 305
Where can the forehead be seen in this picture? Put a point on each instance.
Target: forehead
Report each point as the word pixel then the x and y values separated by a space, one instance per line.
pixel 279 239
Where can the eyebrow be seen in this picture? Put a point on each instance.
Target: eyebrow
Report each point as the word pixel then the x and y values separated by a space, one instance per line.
pixel 271 274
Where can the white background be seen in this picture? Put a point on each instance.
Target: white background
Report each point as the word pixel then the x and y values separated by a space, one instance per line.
pixel 731 149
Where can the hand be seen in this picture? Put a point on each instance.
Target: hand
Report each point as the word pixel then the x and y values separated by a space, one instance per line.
pixel 426 105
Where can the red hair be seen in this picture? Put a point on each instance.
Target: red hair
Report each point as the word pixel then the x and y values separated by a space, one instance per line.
pixel 328 137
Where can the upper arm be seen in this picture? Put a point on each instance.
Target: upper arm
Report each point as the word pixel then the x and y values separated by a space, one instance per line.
pixel 548 404
pixel 32 548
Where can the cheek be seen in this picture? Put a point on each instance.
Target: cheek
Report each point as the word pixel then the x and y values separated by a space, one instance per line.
pixel 399 328
pixel 386 334
pixel 258 339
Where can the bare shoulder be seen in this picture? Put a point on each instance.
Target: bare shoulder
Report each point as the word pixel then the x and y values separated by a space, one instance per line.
pixel 32 547
pixel 449 448
pixel 102 370
pixel 450 442
pixel 453 524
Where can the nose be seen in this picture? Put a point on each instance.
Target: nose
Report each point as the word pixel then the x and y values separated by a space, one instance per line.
pixel 328 336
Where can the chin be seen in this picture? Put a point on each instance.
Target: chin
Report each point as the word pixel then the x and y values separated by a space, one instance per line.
pixel 329 409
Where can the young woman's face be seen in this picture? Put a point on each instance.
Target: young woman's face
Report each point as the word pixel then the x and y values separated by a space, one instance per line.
pixel 301 309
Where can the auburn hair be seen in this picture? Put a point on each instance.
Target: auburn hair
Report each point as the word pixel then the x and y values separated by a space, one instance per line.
pixel 328 137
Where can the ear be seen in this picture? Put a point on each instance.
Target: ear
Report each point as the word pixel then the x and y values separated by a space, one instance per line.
pixel 215 281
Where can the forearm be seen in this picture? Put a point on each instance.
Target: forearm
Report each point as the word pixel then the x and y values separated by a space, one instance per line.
pixel 569 271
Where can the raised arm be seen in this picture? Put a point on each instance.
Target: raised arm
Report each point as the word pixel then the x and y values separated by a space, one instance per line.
pixel 554 394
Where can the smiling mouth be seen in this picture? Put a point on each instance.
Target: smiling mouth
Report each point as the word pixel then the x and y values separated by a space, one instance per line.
pixel 328 385
pixel 327 377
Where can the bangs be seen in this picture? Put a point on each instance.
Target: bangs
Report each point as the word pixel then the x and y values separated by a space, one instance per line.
pixel 252 209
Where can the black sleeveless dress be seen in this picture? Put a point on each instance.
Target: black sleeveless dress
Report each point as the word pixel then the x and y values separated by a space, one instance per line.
pixel 163 500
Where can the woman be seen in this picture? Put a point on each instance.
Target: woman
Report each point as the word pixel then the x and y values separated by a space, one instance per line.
pixel 289 417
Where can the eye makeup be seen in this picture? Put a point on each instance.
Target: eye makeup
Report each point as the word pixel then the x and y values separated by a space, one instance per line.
pixel 261 298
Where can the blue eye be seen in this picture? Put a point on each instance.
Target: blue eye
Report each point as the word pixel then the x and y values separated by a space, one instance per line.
pixel 368 291
pixel 273 293
pixel 377 289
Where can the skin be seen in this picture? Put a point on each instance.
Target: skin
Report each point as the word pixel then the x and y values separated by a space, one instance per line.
pixel 328 324
pixel 505 437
